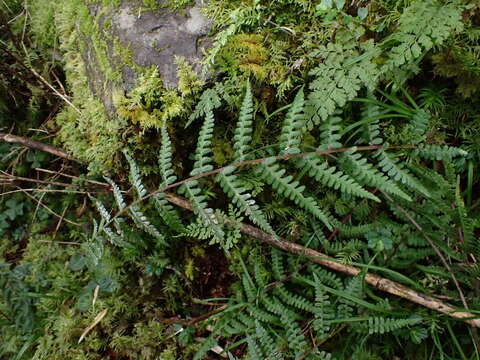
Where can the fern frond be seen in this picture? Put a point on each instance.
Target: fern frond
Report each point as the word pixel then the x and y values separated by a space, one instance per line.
pixel 296 339
pixel 274 175
pixel 135 176
pixel 439 152
pixel 267 343
pixel 116 193
pixel 380 325
pixel 254 350
pixel 291 134
pixel 362 170
pixel 397 172
pixel 419 124
pixel 242 136
pixel 208 344
pixel 209 101
pixel 143 223
pixel 333 178
pixel 201 209
pixel 323 311
pixel 330 133
pixel 165 159
pixel 240 197
pixel 203 151
pixel 371 130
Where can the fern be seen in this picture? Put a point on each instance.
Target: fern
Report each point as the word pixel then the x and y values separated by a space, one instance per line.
pixel 290 137
pixel 333 178
pixel 274 175
pixel 366 173
pixel 438 152
pixel 240 197
pixel 167 175
pixel 422 26
pixel 343 72
pixel 378 325
pixel 243 130
pixel 209 101
pixel 397 172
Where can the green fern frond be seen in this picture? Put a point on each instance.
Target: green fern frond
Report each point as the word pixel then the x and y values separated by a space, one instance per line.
pixel 291 135
pixel 419 124
pixel 329 176
pixel 274 175
pixel 143 223
pixel 296 339
pixel 439 152
pixel 209 101
pixel 240 197
pixel 242 136
pixel 208 344
pixel 380 325
pixel 267 343
pixel 363 171
pixel 207 216
pixel 397 172
pixel 203 151
pixel 165 160
pixel 330 133
pixel 323 311
pixel 254 350
pixel 116 193
pixel 135 176
pixel 414 38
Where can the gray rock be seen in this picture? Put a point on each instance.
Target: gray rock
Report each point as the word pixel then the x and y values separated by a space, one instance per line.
pixel 157 37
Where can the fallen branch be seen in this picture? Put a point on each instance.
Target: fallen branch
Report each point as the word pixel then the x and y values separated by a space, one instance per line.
pixel 376 281
pixel 35 145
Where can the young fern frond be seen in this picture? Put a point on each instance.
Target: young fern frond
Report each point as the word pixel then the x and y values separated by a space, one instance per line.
pixel 267 343
pixel 323 311
pixel 293 124
pixel 143 223
pixel 241 198
pixel 199 204
pixel 243 131
pixel 202 164
pixel 274 175
pixel 209 101
pixel 137 215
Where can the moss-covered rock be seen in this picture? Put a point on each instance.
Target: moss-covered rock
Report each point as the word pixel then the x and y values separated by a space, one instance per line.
pixel 122 61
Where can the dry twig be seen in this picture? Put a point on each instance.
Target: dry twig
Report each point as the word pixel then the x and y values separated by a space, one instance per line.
pixel 376 281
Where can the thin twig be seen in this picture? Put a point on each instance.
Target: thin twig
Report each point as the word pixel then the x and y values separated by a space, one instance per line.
pixel 376 281
pixel 47 208
pixel 433 246
pixel 35 145
pixel 73 177
pixel 252 162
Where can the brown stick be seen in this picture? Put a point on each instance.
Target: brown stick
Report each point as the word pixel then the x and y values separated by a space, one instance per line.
pixel 35 145
pixel 376 281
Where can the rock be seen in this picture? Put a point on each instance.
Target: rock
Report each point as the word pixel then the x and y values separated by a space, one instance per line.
pixel 156 37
